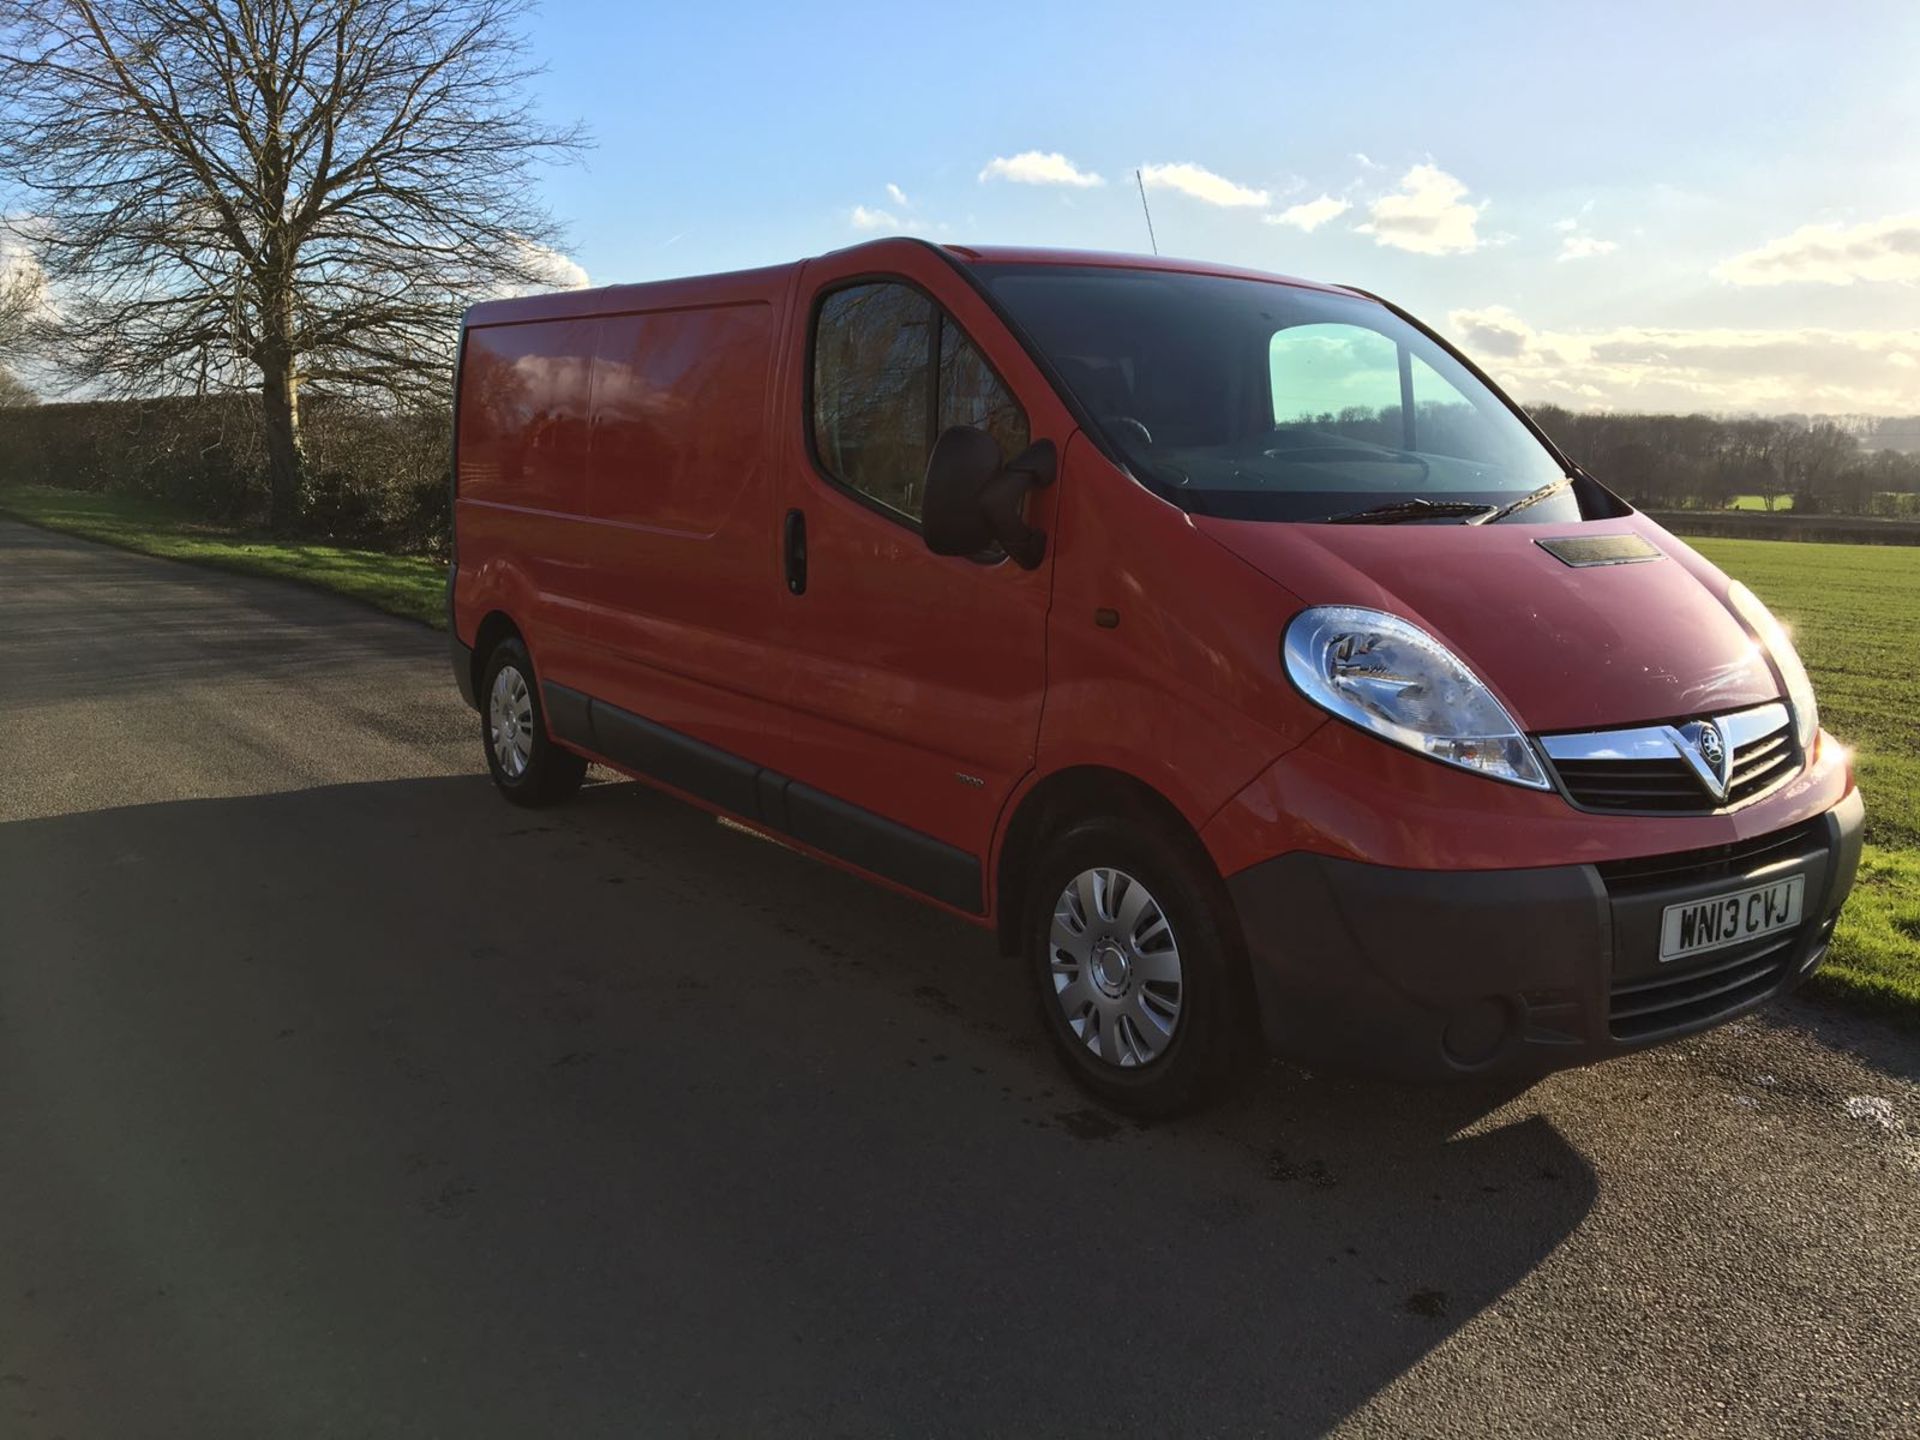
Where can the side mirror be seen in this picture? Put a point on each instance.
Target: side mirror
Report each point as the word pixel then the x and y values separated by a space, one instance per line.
pixel 973 502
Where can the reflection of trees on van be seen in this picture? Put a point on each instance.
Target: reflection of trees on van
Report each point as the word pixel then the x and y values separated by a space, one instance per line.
pixel 870 409
pixel 874 359
pixel 971 394
pixel 523 418
pixel 497 391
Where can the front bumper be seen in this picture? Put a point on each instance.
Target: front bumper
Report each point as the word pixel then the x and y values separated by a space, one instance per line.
pixel 1434 972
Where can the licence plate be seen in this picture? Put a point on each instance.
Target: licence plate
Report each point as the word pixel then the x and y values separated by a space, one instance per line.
pixel 1720 920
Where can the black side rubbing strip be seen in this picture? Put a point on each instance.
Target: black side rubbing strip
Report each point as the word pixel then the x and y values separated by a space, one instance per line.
pixel 905 856
pixel 567 715
pixel 773 800
pixel 721 778
pixel 678 760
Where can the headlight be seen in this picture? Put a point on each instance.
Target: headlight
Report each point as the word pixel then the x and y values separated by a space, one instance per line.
pixel 1391 677
pixel 1773 635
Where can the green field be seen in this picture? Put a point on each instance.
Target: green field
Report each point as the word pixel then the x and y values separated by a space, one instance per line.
pixel 399 584
pixel 1759 502
pixel 1855 613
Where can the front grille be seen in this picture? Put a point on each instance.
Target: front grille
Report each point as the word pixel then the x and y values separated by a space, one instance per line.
pixel 1664 785
pixel 1723 982
pixel 1760 765
pixel 1717 862
pixel 1649 775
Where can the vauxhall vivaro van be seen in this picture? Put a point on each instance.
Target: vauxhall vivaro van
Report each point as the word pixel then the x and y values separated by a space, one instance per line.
pixel 1228 644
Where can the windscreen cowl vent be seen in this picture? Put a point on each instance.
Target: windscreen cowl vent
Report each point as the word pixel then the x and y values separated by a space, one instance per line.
pixel 1584 551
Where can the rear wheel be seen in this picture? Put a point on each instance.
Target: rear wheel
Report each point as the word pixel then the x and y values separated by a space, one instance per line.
pixel 527 766
pixel 1135 955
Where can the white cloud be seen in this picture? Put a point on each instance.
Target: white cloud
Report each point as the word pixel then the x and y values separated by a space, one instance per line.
pixel 1495 330
pixel 1650 368
pixel 1585 247
pixel 1573 222
pixel 864 219
pixel 17 265
pixel 1310 215
pixel 1367 163
pixel 1036 167
pixel 1202 184
pixel 20 272
pixel 550 269
pixel 1428 215
pixel 1883 250
pixel 898 196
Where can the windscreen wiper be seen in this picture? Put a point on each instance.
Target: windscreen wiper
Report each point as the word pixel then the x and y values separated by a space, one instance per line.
pixel 1397 512
pixel 1545 492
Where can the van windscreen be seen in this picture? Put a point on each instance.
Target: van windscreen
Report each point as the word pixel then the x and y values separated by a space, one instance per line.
pixel 1253 399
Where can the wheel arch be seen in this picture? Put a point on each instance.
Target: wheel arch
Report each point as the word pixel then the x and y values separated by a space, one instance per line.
pixel 494 627
pixel 1064 798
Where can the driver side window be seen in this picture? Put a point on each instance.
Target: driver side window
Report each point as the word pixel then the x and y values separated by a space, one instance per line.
pixel 891 370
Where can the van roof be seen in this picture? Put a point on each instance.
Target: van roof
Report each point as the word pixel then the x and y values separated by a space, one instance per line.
pixel 1116 260
pixel 767 283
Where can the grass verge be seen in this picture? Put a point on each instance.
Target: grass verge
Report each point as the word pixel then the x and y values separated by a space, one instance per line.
pixel 406 585
pixel 1853 610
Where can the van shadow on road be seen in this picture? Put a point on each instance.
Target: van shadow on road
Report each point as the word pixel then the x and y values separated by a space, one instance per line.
pixel 388 1108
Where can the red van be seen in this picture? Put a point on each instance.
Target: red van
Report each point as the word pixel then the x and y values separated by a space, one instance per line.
pixel 1228 644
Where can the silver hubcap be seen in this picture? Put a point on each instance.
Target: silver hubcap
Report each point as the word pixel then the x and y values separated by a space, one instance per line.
pixel 1115 967
pixel 510 722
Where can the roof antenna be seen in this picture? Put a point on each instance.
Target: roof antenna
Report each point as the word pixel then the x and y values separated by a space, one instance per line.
pixel 1143 205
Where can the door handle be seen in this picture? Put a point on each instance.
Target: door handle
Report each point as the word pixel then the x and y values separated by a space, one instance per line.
pixel 796 552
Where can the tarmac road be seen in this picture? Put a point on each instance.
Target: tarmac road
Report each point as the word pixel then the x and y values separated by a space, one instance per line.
pixel 338 1097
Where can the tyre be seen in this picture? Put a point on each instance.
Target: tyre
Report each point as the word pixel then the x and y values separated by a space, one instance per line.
pixel 1135 951
pixel 527 766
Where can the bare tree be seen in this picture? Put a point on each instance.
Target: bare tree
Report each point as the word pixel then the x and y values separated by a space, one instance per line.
pixel 284 196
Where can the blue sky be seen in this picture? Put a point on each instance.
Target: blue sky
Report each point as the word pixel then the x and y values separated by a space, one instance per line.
pixel 1691 204
pixel 1608 205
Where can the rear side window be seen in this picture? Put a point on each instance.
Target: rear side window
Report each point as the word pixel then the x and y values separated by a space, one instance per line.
pixel 890 371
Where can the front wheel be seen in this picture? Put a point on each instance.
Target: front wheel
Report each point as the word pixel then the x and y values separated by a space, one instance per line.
pixel 525 763
pixel 1135 954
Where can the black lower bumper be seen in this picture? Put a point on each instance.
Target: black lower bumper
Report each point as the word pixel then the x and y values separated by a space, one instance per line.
pixel 462 654
pixel 1518 971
